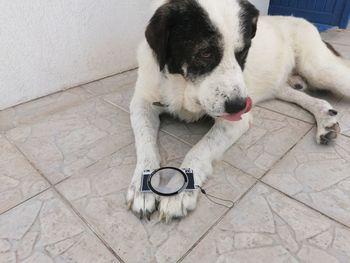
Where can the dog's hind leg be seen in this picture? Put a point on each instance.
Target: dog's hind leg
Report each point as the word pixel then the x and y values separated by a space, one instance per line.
pixel 325 115
pixel 318 64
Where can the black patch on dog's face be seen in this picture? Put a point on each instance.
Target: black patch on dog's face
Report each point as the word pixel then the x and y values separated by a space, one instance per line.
pixel 249 18
pixel 182 37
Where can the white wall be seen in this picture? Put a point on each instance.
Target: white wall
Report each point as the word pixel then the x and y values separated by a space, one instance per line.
pixel 49 45
pixel 262 5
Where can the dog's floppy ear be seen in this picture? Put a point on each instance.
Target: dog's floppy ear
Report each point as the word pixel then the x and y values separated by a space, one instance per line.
pixel 250 16
pixel 158 31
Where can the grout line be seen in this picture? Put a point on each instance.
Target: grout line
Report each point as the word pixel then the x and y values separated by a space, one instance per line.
pixel 53 186
pixel 217 222
pixel 114 105
pixel 334 42
pixel 281 113
pixel 177 138
pixel 89 226
pixel 304 204
pixel 72 87
pixel 25 200
pixel 288 151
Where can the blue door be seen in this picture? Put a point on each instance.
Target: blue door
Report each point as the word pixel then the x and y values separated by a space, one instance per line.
pixel 326 12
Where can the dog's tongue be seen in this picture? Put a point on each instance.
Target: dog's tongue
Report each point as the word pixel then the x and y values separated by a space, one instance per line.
pixel 238 116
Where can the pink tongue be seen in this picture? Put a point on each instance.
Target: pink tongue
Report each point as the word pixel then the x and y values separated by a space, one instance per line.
pixel 238 116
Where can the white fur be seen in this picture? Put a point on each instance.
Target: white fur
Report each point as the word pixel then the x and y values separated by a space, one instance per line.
pixel 281 45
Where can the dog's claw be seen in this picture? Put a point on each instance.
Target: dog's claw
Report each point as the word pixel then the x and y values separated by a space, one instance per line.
pixel 141 214
pixel 148 215
pixel 333 112
pixel 161 216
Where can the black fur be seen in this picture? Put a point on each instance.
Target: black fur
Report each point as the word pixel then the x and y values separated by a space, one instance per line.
pixel 249 18
pixel 185 40
pixel 181 34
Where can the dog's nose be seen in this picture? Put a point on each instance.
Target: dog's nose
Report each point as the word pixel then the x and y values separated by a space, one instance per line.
pixel 236 105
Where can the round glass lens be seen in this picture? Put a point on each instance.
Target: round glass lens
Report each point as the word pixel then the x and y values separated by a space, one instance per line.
pixel 168 181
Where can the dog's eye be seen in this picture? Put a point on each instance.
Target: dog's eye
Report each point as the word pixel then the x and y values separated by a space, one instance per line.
pixel 205 54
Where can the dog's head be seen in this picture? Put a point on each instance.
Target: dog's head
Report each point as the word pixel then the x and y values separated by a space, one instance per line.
pixel 207 42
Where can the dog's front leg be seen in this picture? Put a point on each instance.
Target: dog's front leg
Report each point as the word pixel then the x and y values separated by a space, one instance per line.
pixel 145 124
pixel 200 159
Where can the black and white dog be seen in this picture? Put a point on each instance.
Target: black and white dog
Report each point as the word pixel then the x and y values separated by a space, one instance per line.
pixel 214 57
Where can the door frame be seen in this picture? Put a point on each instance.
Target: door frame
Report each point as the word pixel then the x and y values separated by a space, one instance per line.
pixel 344 20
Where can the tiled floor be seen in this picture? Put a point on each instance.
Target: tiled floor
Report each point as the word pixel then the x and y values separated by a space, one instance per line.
pixel 66 161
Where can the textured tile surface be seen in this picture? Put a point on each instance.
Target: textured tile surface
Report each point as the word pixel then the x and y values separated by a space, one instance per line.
pixel 269 138
pixel 344 115
pixel 38 109
pixel 70 140
pixel 98 192
pixel 112 84
pixel 337 36
pixel 266 226
pixel 44 230
pixel 317 175
pixel 18 179
pixel 297 112
pixel 344 50
pixel 189 132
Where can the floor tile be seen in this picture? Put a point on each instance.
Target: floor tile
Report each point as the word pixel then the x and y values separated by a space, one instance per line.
pixel 269 138
pixel 44 230
pixel 297 112
pixel 337 36
pixel 73 139
pixel 344 50
pixel 267 226
pixel 98 192
pixel 122 97
pixel 344 116
pixel 112 84
pixel 38 109
pixel 18 179
pixel 317 175
pixel 189 132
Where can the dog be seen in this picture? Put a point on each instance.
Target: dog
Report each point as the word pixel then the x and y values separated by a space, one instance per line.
pixel 215 58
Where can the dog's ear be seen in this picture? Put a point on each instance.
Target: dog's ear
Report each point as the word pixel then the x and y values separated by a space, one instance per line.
pixel 250 16
pixel 158 31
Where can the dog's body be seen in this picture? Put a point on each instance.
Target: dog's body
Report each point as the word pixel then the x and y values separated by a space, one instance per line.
pixel 220 80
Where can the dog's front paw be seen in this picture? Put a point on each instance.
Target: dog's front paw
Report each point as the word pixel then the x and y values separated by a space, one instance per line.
pixel 327 126
pixel 142 204
pixel 177 206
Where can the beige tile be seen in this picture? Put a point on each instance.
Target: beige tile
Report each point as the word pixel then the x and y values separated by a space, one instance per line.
pixel 344 50
pixel 18 179
pixel 337 36
pixel 188 132
pixel 98 192
pixel 44 229
pixel 344 116
pixel 267 226
pixel 66 142
pixel 269 138
pixel 122 97
pixel 288 109
pixel 317 175
pixel 297 112
pixel 41 108
pixel 111 84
